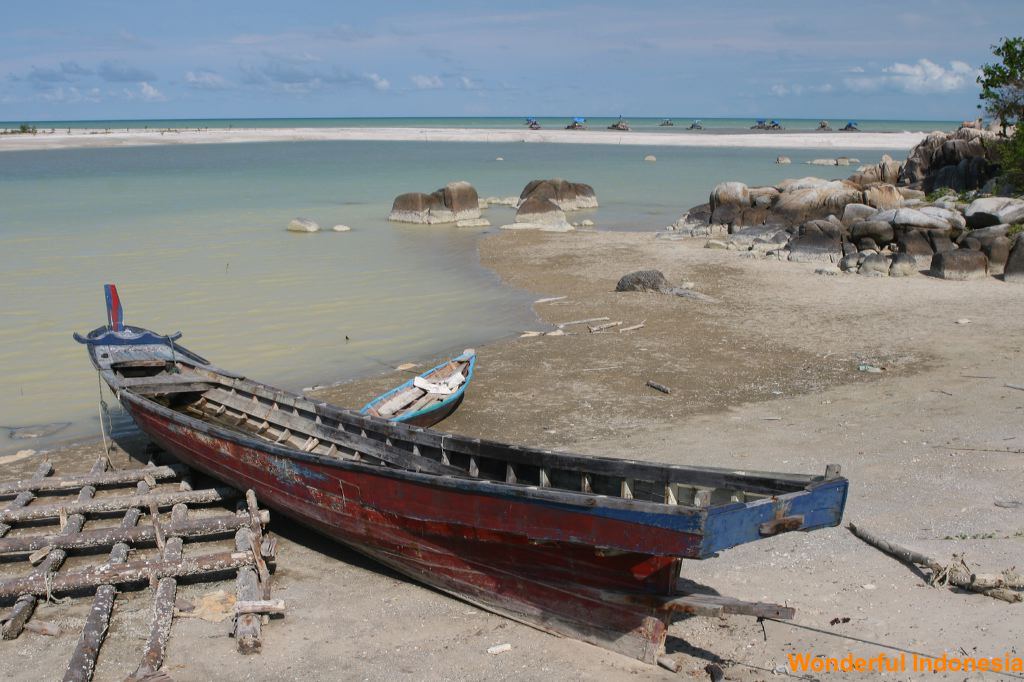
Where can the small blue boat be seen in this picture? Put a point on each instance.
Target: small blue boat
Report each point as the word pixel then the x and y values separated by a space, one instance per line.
pixel 428 398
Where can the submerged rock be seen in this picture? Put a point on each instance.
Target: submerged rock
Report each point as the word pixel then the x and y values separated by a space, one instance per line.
pixel 341 228
pixel 35 430
pixel 454 202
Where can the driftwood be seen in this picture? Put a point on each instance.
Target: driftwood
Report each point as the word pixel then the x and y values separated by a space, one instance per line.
pixel 659 387
pixel 83 660
pixel 70 482
pixel 634 327
pixel 958 575
pixel 114 504
pixel 25 606
pixel 260 606
pixel 120 574
pixel 562 325
pixel 108 537
pixel 601 327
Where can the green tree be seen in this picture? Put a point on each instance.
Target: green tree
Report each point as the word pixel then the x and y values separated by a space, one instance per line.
pixel 1002 83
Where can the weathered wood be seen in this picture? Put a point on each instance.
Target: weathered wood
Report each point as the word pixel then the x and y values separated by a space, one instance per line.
pixel 940 573
pixel 562 325
pixel 256 543
pixel 659 387
pixel 83 659
pixel 260 606
pixel 25 606
pixel 126 573
pixel 248 627
pixel 602 327
pixel 71 482
pixel 163 609
pixel 108 537
pixel 118 503
pixel 634 327
pixel 42 471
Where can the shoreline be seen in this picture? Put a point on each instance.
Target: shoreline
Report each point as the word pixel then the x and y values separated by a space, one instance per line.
pixel 759 385
pixel 97 138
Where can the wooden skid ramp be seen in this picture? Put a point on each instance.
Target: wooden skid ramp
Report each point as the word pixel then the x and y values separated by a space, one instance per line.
pixel 128 523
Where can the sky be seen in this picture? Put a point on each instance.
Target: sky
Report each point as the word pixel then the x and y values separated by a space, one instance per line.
pixel 103 59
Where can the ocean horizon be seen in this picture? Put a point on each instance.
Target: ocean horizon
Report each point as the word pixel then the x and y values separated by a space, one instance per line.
pixel 644 123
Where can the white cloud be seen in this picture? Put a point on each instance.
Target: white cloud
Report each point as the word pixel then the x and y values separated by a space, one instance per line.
pixel 922 77
pixel 379 83
pixel 468 84
pixel 782 89
pixel 150 94
pixel 427 82
pixel 205 80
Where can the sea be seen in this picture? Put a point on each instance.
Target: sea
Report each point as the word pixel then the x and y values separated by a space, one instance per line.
pixel 194 237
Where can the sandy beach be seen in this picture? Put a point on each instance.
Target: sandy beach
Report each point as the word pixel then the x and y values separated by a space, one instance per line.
pixel 61 139
pixel 766 377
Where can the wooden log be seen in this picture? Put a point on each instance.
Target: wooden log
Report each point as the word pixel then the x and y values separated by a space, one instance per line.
pixel 83 660
pixel 634 327
pixel 42 471
pixel 562 325
pixel 108 537
pixel 118 503
pixel 602 327
pixel 256 543
pixel 659 387
pixel 126 573
pixel 260 606
pixel 248 627
pixel 163 616
pixel 25 606
pixel 71 482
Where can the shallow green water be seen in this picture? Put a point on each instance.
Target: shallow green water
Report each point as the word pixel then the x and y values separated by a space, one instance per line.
pixel 194 237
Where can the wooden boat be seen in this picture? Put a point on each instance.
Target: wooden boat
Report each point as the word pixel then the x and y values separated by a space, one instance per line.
pixel 428 398
pixel 621 124
pixel 586 547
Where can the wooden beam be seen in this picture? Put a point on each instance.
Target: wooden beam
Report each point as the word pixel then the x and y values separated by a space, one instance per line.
pixel 117 503
pixel 42 471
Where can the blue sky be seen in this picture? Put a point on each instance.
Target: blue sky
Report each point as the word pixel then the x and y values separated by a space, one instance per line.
pixel 301 58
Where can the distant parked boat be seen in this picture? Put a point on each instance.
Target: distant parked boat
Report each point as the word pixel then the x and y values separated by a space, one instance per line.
pixel 667 123
pixel 850 127
pixel 760 124
pixel 430 397
pixel 578 123
pixel 621 124
pixel 824 126
pixel 696 125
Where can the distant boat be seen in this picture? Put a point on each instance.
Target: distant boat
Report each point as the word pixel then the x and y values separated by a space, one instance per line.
pixel 530 121
pixel 851 126
pixel 621 124
pixel 428 398
pixel 824 126
pixel 696 125
pixel 760 124
pixel 775 125
pixel 667 123
pixel 578 123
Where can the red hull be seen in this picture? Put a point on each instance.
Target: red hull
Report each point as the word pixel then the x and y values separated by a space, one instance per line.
pixel 479 547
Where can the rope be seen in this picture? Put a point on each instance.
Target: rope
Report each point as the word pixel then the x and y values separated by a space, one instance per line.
pixel 174 358
pixel 103 411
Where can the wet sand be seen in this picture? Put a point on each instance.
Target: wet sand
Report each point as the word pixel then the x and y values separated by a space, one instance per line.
pixel 766 377
pixel 61 139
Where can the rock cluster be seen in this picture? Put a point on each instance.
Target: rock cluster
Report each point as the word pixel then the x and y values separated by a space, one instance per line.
pixel 454 202
pixel 876 229
pixel 543 203
pixel 962 160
